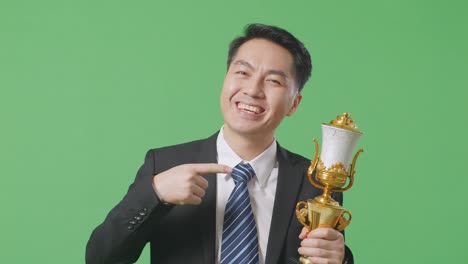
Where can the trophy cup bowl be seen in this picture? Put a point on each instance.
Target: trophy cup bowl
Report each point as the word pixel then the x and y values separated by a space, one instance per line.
pixel 330 171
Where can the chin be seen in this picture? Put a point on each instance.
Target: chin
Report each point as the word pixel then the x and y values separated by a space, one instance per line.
pixel 247 130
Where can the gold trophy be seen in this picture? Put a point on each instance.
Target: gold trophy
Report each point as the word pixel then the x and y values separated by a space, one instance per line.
pixel 332 171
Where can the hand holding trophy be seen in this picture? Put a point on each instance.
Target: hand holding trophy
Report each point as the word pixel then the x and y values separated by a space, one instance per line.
pixel 332 171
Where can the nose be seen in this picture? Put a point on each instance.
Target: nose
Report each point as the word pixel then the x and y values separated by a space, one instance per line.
pixel 254 88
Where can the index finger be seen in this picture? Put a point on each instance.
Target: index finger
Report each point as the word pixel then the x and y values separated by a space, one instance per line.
pixel 205 168
pixel 325 233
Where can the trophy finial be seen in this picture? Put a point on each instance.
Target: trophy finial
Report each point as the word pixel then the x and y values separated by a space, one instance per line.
pixel 345 122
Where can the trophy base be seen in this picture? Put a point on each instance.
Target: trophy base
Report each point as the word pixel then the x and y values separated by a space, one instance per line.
pixel 304 260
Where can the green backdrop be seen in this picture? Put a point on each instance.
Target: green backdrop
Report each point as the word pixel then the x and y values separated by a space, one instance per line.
pixel 88 86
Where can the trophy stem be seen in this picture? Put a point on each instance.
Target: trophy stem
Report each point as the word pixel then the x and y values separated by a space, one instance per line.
pixel 326 198
pixel 326 193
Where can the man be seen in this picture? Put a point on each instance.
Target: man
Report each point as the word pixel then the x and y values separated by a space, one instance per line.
pixel 229 198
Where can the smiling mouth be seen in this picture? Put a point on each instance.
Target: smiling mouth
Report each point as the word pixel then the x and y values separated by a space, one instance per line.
pixel 250 108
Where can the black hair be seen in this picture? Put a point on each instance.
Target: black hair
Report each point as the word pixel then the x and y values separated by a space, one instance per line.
pixel 279 36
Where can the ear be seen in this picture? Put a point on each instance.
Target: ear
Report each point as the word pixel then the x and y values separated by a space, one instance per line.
pixel 296 102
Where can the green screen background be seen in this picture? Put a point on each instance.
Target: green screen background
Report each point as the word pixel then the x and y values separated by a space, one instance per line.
pixel 86 87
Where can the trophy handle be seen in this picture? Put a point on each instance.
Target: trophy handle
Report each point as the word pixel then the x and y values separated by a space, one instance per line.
pixel 351 172
pixel 302 213
pixel 313 165
pixel 343 222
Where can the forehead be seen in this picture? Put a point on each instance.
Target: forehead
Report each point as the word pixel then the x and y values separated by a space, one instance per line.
pixel 267 55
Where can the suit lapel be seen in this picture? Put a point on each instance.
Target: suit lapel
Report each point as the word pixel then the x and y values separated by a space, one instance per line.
pixel 207 221
pixel 289 182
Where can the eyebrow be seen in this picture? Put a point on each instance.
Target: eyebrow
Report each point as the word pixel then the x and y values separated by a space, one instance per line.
pixel 244 63
pixel 250 66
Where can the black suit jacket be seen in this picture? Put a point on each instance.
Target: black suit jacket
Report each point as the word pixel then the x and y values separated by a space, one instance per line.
pixel 186 233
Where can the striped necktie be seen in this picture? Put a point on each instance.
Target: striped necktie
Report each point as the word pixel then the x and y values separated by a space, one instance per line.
pixel 240 244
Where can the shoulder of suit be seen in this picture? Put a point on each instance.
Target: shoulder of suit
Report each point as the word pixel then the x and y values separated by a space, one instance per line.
pixel 294 157
pixel 188 145
pixel 181 146
pixel 189 152
pixel 184 152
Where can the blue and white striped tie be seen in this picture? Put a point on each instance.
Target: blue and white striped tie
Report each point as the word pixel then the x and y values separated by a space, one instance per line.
pixel 240 244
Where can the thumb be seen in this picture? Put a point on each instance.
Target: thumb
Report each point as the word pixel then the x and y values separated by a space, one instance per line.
pixel 303 233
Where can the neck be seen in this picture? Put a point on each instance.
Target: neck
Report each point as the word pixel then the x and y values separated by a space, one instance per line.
pixel 247 146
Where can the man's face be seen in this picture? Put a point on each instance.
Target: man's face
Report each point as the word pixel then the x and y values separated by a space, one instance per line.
pixel 259 89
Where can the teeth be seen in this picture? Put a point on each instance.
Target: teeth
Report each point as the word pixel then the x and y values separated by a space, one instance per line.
pixel 250 108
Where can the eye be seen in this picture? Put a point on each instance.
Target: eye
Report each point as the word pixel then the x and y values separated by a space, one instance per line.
pixel 273 81
pixel 241 72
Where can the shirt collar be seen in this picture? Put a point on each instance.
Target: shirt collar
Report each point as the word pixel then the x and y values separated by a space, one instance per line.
pixel 262 164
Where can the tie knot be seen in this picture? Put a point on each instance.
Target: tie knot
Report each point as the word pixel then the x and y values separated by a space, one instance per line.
pixel 242 172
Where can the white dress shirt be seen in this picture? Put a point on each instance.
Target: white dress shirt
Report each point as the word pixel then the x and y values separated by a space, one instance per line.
pixel 262 190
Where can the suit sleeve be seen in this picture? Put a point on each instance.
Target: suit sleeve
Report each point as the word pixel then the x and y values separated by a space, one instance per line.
pixel 129 225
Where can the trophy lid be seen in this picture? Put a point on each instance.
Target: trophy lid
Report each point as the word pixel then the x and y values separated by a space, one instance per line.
pixel 345 122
